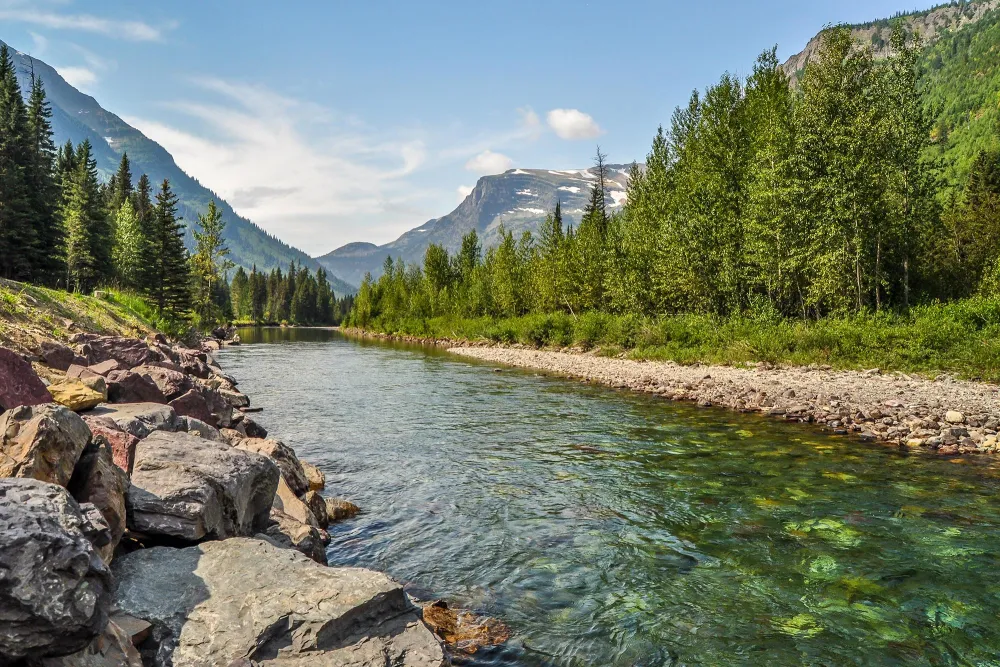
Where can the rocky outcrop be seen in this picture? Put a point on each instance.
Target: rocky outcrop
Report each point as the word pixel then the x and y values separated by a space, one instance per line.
pixel 76 395
pixel 43 442
pixel 283 456
pixel 189 488
pixel 98 481
pixel 19 385
pixel 219 602
pixel 140 419
pixel 55 591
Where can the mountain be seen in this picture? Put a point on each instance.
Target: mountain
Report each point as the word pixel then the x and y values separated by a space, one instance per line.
pixel 519 199
pixel 960 75
pixel 76 116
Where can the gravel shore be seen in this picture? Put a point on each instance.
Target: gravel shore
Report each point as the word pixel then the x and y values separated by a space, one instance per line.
pixel 945 415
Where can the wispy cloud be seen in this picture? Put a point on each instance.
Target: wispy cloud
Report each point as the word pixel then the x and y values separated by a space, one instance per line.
pixel 130 30
pixel 573 124
pixel 79 77
pixel 299 170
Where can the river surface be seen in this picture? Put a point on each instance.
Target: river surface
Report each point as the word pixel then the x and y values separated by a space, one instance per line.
pixel 608 528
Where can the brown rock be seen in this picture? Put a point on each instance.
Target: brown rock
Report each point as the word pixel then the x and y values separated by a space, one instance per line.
pixel 338 509
pixel 287 502
pixel 78 371
pixel 113 648
pixel 129 352
pixel 314 476
pixel 19 384
pixel 172 384
pixel 252 428
pixel 129 387
pixel 284 456
pixel 289 533
pixel 105 367
pixel 56 355
pixel 317 505
pixel 41 442
pixel 463 630
pixel 122 444
pixel 98 480
pixel 193 404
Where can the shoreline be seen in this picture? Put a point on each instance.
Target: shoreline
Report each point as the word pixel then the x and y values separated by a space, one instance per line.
pixel 943 416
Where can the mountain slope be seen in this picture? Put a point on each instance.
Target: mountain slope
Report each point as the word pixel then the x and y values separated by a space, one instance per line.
pixel 76 116
pixel 519 199
pixel 960 75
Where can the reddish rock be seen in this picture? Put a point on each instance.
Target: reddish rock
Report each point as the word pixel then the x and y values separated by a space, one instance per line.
pixel 56 355
pixel 80 372
pixel 19 384
pixel 98 480
pixel 129 352
pixel 105 367
pixel 172 384
pixel 193 404
pixel 129 387
pixel 122 444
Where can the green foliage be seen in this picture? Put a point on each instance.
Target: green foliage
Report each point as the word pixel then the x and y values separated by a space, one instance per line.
pixel 167 282
pixel 128 247
pixel 295 297
pixel 208 265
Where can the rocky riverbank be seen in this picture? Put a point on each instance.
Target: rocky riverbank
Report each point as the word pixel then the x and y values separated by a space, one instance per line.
pixel 147 519
pixel 943 416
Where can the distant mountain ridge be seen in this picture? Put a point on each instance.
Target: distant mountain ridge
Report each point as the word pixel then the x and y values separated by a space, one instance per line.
pixel 520 199
pixel 77 116
pixel 931 25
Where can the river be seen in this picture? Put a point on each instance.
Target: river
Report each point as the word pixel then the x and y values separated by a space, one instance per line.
pixel 610 528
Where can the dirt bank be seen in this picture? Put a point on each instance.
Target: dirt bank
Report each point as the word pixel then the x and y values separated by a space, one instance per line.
pixel 944 415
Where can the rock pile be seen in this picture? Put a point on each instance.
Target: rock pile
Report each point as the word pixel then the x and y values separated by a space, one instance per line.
pixel 147 520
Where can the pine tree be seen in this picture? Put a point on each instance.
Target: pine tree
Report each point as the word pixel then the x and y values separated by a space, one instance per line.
pixel 43 193
pixel 120 188
pixel 17 235
pixel 88 239
pixel 169 284
pixel 239 292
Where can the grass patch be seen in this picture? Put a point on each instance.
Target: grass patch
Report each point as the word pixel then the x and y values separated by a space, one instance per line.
pixel 961 338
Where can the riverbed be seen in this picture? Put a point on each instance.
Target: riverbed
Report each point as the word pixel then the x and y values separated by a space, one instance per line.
pixel 614 528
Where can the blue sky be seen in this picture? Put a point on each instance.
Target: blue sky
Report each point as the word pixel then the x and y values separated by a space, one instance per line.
pixel 330 122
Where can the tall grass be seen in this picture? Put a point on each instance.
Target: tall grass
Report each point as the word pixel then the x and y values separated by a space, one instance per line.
pixel 962 338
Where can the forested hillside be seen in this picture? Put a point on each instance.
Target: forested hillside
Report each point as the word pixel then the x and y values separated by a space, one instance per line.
pixel 78 117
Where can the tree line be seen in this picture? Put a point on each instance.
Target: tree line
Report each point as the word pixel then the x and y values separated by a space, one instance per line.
pixel 62 226
pixel 296 296
pixel 802 199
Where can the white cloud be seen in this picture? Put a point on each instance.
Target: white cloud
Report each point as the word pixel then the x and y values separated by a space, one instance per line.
pixel 78 77
pixel 135 31
pixel 489 162
pixel 41 44
pixel 573 124
pixel 464 191
pixel 297 169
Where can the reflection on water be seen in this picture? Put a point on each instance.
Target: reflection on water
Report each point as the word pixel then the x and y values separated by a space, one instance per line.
pixel 615 529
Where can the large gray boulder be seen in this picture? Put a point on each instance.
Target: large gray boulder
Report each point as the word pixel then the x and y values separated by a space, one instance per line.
pixel 189 488
pixel 219 602
pixel 42 442
pixel 55 591
pixel 140 419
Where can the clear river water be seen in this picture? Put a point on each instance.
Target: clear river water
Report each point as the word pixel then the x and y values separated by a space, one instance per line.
pixel 610 528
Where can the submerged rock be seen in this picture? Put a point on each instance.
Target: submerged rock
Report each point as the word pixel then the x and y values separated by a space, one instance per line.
pixel 463 630
pixel 338 509
pixel 246 599
pixel 188 488
pixel 55 591
pixel 43 442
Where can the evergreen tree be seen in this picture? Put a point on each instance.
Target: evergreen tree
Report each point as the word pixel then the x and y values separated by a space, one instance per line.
pixel 88 239
pixel 120 188
pixel 169 285
pixel 48 253
pixel 17 236
pixel 240 294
